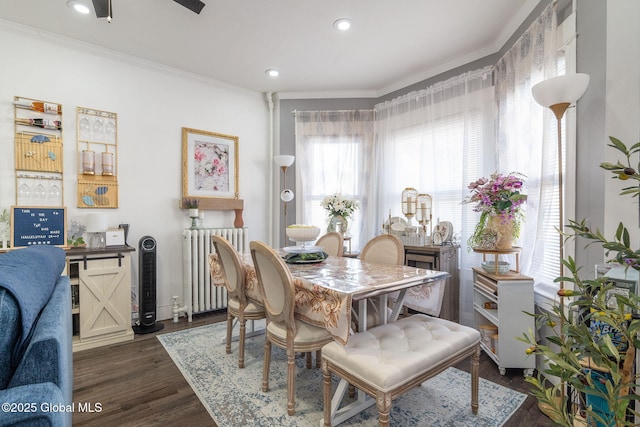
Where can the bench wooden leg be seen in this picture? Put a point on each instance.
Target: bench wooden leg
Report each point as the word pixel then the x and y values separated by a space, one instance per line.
pixel 326 394
pixel 383 402
pixel 474 380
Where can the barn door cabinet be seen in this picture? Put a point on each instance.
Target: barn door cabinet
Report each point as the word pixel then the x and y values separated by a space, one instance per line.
pixel 101 294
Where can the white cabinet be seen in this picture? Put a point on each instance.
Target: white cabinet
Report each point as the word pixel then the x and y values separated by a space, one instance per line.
pixel 101 289
pixel 504 301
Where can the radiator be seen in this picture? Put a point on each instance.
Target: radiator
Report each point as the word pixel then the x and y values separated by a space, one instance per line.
pixel 200 296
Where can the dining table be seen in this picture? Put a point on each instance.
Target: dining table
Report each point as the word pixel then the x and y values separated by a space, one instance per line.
pixel 326 290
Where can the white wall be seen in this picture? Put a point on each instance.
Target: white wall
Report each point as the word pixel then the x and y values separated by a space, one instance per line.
pixel 153 103
pixel 623 110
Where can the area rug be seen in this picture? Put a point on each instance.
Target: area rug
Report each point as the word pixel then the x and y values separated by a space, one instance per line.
pixel 234 396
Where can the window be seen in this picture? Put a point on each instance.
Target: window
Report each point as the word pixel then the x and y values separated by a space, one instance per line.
pixel 325 178
pixel 334 149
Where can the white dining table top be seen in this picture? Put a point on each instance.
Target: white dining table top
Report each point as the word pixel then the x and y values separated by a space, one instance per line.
pixel 325 290
pixel 362 279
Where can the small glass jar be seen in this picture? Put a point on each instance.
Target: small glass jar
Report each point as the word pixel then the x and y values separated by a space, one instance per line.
pixel 88 162
pixel 107 163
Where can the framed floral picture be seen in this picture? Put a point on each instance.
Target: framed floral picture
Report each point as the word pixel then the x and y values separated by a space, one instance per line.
pixel 209 164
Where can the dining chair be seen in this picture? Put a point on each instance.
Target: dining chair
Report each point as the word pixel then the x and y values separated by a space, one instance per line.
pixel 238 305
pixel 283 329
pixel 382 249
pixel 332 243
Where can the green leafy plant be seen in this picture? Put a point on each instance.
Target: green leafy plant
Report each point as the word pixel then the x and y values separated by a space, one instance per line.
pixel 573 342
pixel 76 231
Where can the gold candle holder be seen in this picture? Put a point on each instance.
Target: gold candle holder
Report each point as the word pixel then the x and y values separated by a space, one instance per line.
pixel 107 163
pixel 409 196
pixel 424 205
pixel 88 162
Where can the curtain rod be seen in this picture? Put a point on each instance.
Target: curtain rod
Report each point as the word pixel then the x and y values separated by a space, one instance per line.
pixel 329 111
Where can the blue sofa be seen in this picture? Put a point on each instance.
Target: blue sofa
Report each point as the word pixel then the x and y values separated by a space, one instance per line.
pixel 36 371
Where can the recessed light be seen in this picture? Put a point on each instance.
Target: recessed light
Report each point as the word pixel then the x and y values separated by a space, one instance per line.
pixel 342 24
pixel 78 6
pixel 272 72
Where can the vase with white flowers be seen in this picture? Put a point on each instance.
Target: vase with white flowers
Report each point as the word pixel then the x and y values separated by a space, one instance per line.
pixel 340 208
pixel 499 200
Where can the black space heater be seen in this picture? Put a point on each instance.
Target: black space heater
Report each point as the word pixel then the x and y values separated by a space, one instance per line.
pixel 147 288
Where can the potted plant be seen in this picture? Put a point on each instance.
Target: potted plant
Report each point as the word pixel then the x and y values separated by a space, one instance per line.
pixel 592 348
pixel 499 201
pixel 340 209
pixel 192 205
pixel 75 237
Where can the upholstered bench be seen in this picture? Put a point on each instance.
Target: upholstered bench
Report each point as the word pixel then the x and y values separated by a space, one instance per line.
pixel 388 360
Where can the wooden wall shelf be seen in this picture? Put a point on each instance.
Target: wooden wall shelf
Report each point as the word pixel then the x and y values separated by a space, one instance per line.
pixel 221 204
pixel 38 149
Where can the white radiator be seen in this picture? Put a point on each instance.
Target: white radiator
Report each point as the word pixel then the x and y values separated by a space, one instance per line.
pixel 200 295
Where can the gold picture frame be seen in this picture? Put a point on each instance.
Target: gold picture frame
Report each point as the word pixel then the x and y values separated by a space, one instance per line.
pixel 209 165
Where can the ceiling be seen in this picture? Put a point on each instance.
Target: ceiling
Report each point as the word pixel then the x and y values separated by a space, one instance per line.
pixel 392 44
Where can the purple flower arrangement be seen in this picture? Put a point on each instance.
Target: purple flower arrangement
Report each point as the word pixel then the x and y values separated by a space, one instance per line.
pixel 499 196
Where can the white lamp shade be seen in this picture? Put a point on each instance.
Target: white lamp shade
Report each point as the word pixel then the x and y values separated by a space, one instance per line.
pixel 284 160
pixel 96 223
pixel 286 195
pixel 562 89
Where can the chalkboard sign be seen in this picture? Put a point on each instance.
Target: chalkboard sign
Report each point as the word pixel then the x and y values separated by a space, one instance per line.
pixel 38 226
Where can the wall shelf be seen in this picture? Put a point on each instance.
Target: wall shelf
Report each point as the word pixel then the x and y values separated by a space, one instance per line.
pixel 38 149
pixel 97 151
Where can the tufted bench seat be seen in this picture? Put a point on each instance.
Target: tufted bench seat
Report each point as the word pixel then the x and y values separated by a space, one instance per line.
pixel 388 360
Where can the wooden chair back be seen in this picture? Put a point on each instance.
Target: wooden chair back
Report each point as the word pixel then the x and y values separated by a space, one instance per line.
pixel 276 285
pixel 332 243
pixel 384 249
pixel 232 270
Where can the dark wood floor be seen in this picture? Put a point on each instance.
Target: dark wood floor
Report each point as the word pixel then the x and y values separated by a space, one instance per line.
pixel 137 384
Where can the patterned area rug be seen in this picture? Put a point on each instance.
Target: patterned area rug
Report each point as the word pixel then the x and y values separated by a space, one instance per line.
pixel 234 396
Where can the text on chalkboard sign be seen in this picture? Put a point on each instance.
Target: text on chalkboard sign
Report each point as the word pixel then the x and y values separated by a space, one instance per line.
pixel 38 226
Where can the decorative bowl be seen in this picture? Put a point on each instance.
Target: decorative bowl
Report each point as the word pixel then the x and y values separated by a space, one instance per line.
pixel 303 233
pixel 490 267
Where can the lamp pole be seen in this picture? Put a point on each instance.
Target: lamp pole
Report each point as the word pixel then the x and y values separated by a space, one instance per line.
pixel 284 162
pixel 557 94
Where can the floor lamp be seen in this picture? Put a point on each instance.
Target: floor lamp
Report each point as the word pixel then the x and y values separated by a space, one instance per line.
pixel 284 162
pixel 558 93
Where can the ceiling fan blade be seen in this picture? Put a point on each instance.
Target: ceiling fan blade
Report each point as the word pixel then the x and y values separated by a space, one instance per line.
pixel 102 8
pixel 193 5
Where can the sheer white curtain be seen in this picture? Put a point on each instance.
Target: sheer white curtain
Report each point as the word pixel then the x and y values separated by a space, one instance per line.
pixel 527 141
pixel 334 150
pixel 437 140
